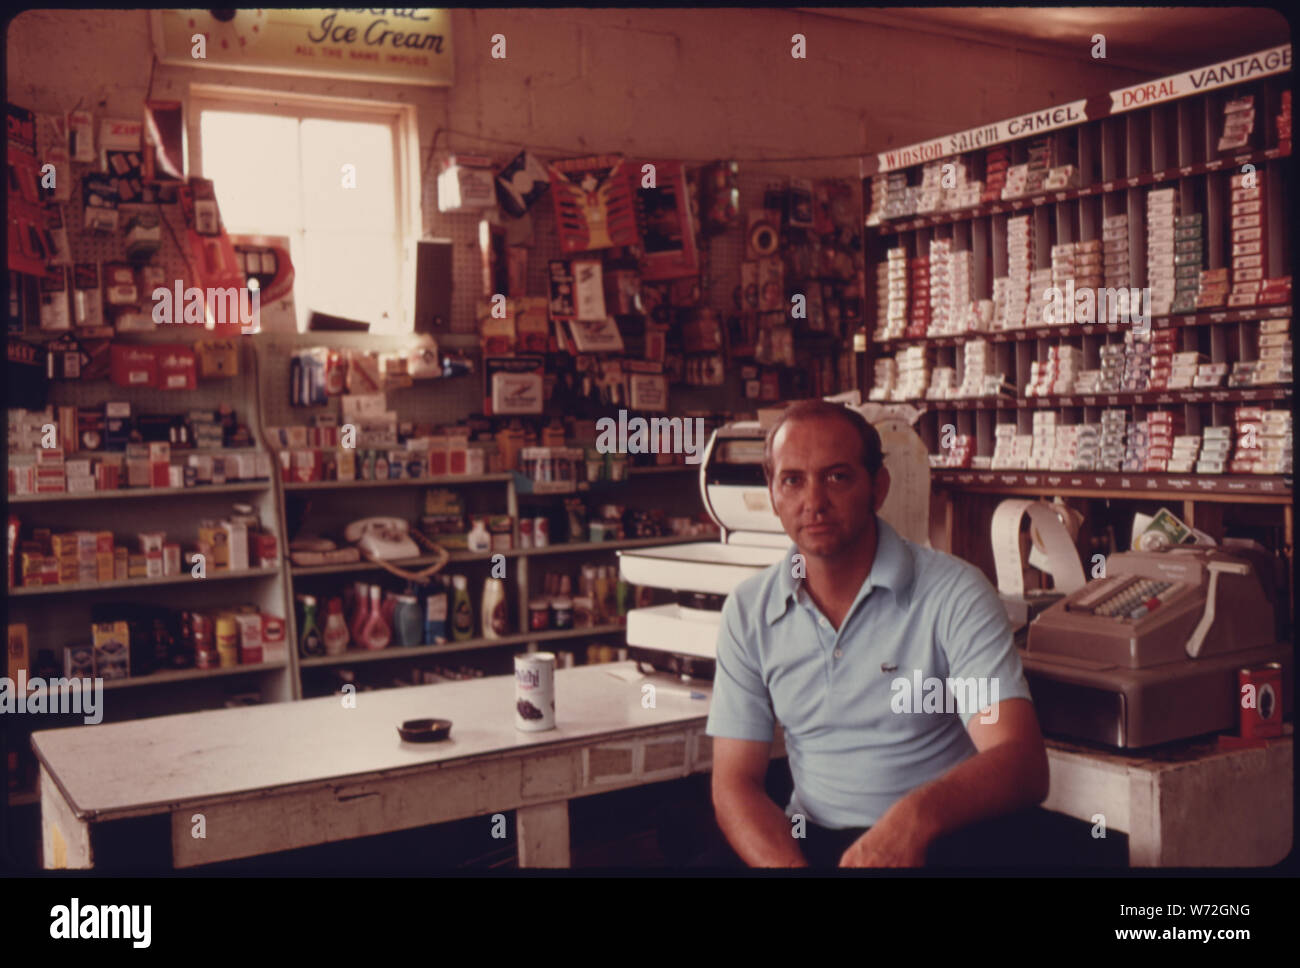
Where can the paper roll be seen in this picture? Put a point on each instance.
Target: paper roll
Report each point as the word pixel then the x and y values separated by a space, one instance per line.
pixel 1062 559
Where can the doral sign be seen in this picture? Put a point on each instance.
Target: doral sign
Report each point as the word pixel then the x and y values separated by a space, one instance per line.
pixel 1276 60
pixel 396 46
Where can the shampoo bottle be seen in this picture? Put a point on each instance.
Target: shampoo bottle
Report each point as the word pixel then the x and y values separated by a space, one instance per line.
pixel 435 613
pixel 336 633
pixel 360 613
pixel 495 618
pixel 310 642
pixel 377 633
pixel 462 614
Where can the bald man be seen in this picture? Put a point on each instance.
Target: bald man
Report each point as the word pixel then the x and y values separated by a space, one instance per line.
pixel 833 642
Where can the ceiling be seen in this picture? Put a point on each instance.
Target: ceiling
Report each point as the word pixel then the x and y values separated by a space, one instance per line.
pixel 1155 40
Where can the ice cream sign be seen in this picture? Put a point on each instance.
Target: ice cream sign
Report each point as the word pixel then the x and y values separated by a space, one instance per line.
pixel 401 46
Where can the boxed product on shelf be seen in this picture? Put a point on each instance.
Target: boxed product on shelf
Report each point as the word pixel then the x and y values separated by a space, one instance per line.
pixel 1115 251
pixel 1216 448
pixel 1043 440
pixel 1238 123
pixel 1210 375
pixel 913 373
pixel 1162 208
pixel 112 650
pixel 1275 292
pixel 943 383
pixel 957 454
pixel 996 160
pixel 977 364
pixel 1111 364
pixel 1017 181
pixel 1040 281
pixel 1011 451
pixel 1061 177
pixel 1247 222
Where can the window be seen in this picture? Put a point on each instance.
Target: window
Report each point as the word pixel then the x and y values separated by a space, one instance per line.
pixel 335 177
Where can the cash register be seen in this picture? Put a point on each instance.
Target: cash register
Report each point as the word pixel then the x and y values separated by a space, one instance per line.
pixel 1149 653
pixel 681 636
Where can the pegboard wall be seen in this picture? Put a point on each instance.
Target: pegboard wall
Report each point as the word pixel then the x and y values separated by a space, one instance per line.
pixel 438 401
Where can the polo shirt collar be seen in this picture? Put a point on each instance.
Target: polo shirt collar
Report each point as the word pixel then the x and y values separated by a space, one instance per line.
pixel 892 569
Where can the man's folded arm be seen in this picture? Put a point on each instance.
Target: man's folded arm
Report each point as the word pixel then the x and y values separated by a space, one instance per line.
pixel 756 828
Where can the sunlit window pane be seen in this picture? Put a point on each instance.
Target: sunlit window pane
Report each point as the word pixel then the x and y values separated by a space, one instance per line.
pixel 351 274
pixel 281 175
pixel 327 146
pixel 252 161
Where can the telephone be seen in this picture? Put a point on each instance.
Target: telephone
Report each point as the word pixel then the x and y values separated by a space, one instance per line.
pixel 382 538
pixel 1150 653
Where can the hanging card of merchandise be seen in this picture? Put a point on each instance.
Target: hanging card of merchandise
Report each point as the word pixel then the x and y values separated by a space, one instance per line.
pixel 594 207
pixel 667 225
pixel 521 183
pixel 28 245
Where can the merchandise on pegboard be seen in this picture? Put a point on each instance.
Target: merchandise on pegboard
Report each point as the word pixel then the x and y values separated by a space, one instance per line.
pixel 668 227
pixel 215 262
pixel 137 232
pixel 29 245
pixel 594 207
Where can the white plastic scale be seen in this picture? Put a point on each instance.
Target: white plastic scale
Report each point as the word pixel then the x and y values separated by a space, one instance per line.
pixel 682 636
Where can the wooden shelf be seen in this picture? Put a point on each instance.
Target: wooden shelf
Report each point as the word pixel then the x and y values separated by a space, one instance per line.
pixel 1206 318
pixel 910 223
pixel 413 651
pixel 299 571
pixel 576 546
pixel 138 492
pixel 183 578
pixel 444 479
pixel 1261 489
pixel 1147 398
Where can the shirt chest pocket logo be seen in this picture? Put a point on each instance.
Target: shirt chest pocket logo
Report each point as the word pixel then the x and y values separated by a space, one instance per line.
pixel 886 667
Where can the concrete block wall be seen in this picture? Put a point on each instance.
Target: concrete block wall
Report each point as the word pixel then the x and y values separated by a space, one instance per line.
pixel 691 84
pixel 694 84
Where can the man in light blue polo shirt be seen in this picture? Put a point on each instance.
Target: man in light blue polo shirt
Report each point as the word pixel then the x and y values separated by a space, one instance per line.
pixel 890 667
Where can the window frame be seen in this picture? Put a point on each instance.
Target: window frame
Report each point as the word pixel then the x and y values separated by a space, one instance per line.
pixel 401 119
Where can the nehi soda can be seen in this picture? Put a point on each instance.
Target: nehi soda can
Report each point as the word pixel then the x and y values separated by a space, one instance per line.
pixel 535 691
pixel 1264 718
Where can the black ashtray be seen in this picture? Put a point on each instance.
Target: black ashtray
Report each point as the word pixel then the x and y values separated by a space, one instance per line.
pixel 425 730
